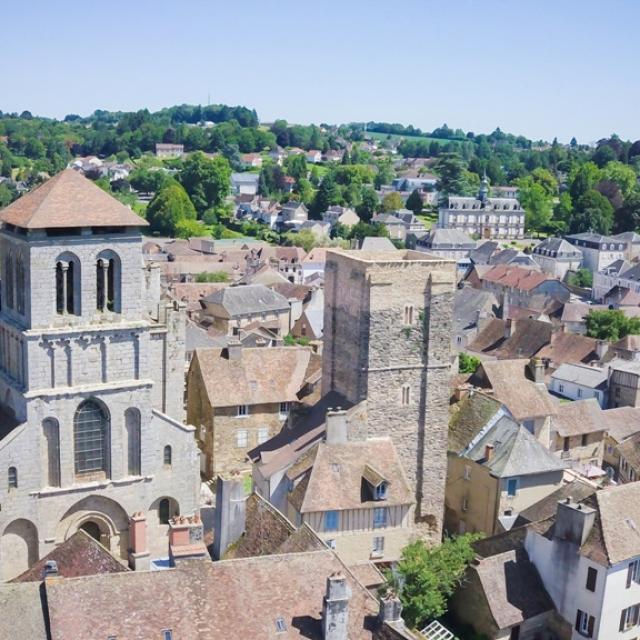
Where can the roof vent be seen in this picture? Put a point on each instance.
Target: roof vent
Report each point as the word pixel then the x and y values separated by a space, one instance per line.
pixel 281 625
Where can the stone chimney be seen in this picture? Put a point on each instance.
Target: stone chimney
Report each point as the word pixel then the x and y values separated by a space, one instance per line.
pixel 390 608
pixel 230 514
pixel 489 450
pixel 335 608
pixel 186 539
pixel 233 351
pixel 536 367
pixel 602 346
pixel 573 521
pixel 336 426
pixel 139 558
pixel 51 573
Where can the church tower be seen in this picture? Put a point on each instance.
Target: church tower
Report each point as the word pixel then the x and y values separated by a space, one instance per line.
pixel 90 384
pixel 387 334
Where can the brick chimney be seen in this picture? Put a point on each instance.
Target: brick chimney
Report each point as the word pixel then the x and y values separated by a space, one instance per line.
pixel 139 558
pixel 489 450
pixel 186 539
pixel 335 608
pixel 230 513
pixel 336 426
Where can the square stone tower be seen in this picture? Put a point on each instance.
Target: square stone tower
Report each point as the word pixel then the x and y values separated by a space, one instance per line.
pixel 387 332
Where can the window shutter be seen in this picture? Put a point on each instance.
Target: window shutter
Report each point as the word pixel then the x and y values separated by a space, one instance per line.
pixel 622 616
pixel 592 621
pixel 578 616
pixel 629 575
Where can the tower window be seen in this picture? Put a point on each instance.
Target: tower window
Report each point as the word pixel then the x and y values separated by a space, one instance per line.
pixel 51 431
pixel 9 286
pixel 132 426
pixel 408 314
pixel 108 283
pixel 20 285
pixel 13 478
pixel 167 455
pixel 67 286
pixel 164 511
pixel 91 438
pixel 406 394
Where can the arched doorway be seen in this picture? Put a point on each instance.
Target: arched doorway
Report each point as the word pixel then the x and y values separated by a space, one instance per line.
pixel 92 528
pixel 18 548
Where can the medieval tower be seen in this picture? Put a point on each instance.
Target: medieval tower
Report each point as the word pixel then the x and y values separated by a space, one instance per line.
pixel 387 331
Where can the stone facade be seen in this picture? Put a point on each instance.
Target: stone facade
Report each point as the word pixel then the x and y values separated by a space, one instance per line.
pixel 387 328
pixel 123 361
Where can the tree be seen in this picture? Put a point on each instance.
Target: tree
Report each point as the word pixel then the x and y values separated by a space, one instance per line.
pixel 611 324
pixel 170 206
pixel 297 166
pixel 304 238
pixel 369 203
pixel 622 175
pixel 467 363
pixel 187 228
pixel 414 202
pixel 392 201
pixel 328 193
pixel 148 181
pixel 592 212
pixel 206 180
pixel 581 278
pixel 537 204
pixel 430 575
pixel 627 218
pixel 212 276
pixel 7 195
pixel 365 230
pixel 454 179
pixel 582 179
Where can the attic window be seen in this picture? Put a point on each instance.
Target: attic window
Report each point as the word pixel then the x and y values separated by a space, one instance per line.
pixel 281 625
pixel 335 467
pixel 381 491
pixel 167 634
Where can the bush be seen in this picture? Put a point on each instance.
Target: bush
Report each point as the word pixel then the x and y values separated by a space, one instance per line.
pixel 213 276
pixel 468 363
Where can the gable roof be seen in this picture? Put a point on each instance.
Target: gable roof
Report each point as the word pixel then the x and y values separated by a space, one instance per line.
pixel 577 418
pixel 629 449
pixel 622 422
pixel 527 337
pixel 591 377
pixel 516 277
pixel 257 376
pixel 619 508
pixel 250 298
pixel 23 609
pixel 468 418
pixel 69 200
pixel 467 305
pixel 569 347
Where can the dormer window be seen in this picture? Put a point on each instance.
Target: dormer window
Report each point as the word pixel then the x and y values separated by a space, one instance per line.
pixel 380 491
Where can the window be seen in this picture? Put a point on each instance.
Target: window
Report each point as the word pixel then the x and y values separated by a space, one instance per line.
pixel 467 472
pixel 330 520
pixel 284 408
pixel 592 576
pixel 67 285
pixel 633 573
pixel 380 492
pixel 377 548
pixel 406 394
pixel 242 438
pixel 167 634
pixel 408 314
pixel 263 434
pixel 629 617
pixel 8 276
pixel 20 285
pixel 331 543
pixel 583 440
pixel 561 388
pixel 380 517
pixel 13 478
pixel 465 504
pixel 108 282
pixel 164 511
pixel 51 432
pixel 243 410
pixel 91 438
pixel 566 443
pixel 584 623
pixel 166 455
pixel 132 428
pixel 281 625
pixel 512 487
pixel 579 393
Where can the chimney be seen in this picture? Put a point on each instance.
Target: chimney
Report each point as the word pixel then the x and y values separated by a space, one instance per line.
pixel 602 346
pixel 509 327
pixel 536 366
pixel 186 539
pixel 573 522
pixel 336 426
pixel 233 350
pixel 230 513
pixel 51 573
pixel 335 608
pixel 139 558
pixel 390 608
pixel 488 452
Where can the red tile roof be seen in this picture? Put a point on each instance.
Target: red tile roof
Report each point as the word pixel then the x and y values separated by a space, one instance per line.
pixel 515 277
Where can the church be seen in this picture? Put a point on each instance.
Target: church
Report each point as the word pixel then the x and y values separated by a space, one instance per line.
pixel 91 381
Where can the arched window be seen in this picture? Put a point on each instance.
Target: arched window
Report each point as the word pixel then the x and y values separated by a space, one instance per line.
pixel 164 511
pixel 51 431
pixel 108 282
pixel 408 314
pixel 68 285
pixel 13 478
pixel 167 455
pixel 406 394
pixel 132 426
pixel 91 438
pixel 8 275
pixel 20 285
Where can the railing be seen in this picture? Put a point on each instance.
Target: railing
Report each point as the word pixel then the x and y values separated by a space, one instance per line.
pixel 437 631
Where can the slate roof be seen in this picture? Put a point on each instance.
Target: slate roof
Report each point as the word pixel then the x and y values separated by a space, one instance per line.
pixel 244 299
pixel 447 239
pixel 69 200
pixel 577 418
pixel 79 555
pixel 467 303
pixel 619 508
pixel 557 248
pixel 371 243
pixel 468 418
pixel 591 377
pixel 483 253
pixel 258 376
pixel 239 598
pixel 24 613
pixel 569 348
pixel 516 451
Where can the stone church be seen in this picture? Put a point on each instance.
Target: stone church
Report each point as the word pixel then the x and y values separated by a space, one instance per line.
pixel 91 381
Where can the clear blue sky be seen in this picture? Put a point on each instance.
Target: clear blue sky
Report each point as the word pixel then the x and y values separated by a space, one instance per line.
pixel 537 67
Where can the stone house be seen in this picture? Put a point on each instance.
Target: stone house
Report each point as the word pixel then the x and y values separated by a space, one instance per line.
pixel 624 383
pixel 557 257
pixel 238 398
pixel 628 452
pixel 293 214
pixel 496 468
pixel 169 150
pixel 472 309
pixel 627 348
pixel 232 309
pixel 448 243
pixel 337 214
pixel 620 424
pixel 588 557
pixel 578 382
pixel 598 251
pixel 354 495
pixel 396 227
pixel 91 380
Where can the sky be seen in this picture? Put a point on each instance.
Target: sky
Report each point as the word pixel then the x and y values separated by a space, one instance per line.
pixel 540 68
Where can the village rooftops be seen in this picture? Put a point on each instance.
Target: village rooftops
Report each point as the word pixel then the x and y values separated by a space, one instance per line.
pixel 247 299
pixel 579 417
pixel 592 377
pixel 69 200
pixel 515 277
pixel 622 422
pixel 397 256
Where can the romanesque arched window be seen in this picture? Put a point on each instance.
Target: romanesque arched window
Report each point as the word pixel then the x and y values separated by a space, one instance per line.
pixel 108 282
pixel 9 279
pixel 164 511
pixel 20 285
pixel 51 432
pixel 408 314
pixel 91 438
pixel 167 455
pixel 68 284
pixel 132 427
pixel 12 478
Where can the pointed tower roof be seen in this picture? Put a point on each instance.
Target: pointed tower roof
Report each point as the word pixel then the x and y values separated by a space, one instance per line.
pixel 69 200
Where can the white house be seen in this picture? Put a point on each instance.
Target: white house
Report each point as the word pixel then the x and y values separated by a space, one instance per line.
pixel 579 381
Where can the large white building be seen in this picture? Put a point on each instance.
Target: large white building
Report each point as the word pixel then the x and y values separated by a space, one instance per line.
pixel 91 380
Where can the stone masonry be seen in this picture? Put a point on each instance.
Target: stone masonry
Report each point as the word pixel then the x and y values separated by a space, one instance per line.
pixel 388 322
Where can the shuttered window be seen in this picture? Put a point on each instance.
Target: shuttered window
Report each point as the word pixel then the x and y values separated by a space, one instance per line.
pixel 592 576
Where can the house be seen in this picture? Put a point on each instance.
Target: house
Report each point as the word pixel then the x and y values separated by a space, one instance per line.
pixel 508 339
pixel 514 257
pixel 410 220
pixel 578 382
pixel 588 556
pixel 231 309
pixel 311 322
pixel 628 452
pixel 318 228
pixel 627 348
pixel 252 159
pixel 245 183
pixel 333 155
pixel 353 494
pixel 619 277
pixel 496 468
pixel 573 318
pixel 396 227
pixel 557 256
pixel 577 435
pixel 483 216
pixel 472 309
pixel 620 424
pixel 509 191
pixel 448 243
pixel 624 383
pixel 169 150
pixel 314 156
pixel 337 214
pixel 293 214
pixel 483 252
pixel 632 240
pixel 313 262
pixel 240 397
pixel 598 251
pixel 278 155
